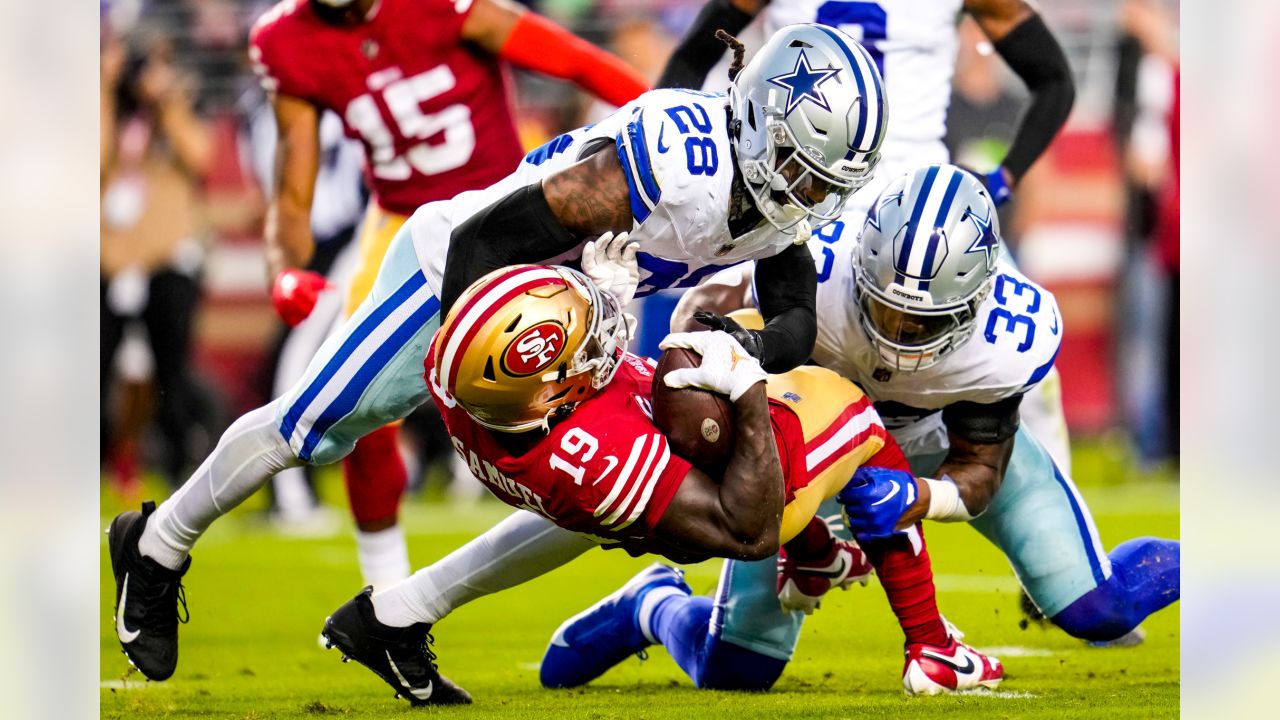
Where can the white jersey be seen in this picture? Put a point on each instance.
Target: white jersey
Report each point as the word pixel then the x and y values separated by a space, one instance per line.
pixel 914 44
pixel 674 149
pixel 1013 346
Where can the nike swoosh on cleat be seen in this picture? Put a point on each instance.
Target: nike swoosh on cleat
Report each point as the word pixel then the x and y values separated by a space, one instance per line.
pixel 661 147
pixel 126 635
pixel 558 639
pixel 420 693
pixel 887 498
pixel 963 670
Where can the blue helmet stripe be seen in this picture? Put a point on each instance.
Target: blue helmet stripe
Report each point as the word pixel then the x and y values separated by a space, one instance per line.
pixel 878 99
pixel 944 210
pixel 904 256
pixel 857 77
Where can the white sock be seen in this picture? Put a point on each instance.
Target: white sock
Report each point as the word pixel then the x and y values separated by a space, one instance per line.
pixel 516 550
pixel 249 453
pixel 384 556
pixel 648 604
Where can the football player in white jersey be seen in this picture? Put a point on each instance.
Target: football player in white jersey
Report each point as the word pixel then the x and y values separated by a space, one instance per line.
pixel 946 336
pixel 701 181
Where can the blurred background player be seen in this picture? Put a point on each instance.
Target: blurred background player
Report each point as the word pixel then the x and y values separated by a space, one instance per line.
pixel 423 85
pixel 156 151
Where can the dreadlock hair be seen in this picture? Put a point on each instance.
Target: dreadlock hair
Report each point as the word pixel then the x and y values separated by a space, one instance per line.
pixel 739 51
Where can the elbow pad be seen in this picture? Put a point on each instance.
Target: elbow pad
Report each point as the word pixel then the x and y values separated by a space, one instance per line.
pixel 519 228
pixel 983 423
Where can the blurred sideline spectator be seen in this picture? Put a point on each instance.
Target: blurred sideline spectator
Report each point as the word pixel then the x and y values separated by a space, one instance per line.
pixel 155 152
pixel 1147 110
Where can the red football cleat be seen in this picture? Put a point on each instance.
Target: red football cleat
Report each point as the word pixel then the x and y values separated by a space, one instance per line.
pixel 803 582
pixel 933 669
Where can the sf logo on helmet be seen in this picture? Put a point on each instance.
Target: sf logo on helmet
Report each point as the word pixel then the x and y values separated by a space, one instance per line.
pixel 534 349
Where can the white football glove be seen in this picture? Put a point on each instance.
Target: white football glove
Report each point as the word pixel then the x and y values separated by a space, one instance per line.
pixel 726 368
pixel 610 262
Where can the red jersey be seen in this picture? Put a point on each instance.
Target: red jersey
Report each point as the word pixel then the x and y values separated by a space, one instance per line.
pixel 606 469
pixel 433 111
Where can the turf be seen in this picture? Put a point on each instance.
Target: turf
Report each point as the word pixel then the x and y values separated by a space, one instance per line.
pixel 257 603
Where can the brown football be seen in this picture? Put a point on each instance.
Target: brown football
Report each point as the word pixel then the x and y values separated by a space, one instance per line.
pixel 697 423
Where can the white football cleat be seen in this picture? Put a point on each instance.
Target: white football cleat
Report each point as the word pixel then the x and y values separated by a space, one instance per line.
pixel 933 669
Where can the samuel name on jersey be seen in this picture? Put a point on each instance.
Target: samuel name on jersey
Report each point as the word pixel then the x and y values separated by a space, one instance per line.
pixel 1014 344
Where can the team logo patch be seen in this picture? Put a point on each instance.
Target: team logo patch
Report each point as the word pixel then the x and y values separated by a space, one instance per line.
pixel 534 349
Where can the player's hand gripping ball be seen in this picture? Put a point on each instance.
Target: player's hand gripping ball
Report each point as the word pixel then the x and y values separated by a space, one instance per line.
pixel 695 374
pixel 875 500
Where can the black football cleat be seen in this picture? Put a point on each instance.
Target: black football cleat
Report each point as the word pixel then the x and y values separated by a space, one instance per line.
pixel 400 656
pixel 147 598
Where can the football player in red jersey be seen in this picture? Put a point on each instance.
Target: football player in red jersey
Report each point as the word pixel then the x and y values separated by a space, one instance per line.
pixel 422 84
pixel 541 399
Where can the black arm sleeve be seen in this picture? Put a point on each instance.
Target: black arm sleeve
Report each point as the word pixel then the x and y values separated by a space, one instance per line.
pixel 983 423
pixel 786 292
pixel 519 228
pixel 1035 55
pixel 699 50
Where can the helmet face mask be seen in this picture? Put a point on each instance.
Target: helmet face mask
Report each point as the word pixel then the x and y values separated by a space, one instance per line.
pixel 811 115
pixel 912 338
pixel 526 343
pixel 925 261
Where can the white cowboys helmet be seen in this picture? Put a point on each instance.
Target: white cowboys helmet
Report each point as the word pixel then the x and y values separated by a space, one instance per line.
pixel 924 263
pixel 811 110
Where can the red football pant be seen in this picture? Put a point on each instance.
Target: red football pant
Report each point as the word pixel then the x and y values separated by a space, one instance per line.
pixel 376 478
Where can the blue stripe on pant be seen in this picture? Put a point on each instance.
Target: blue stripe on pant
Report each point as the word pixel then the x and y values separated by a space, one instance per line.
pixel 370 372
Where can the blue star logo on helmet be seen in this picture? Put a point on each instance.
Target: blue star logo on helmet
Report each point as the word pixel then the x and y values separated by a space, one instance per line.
pixel 805 83
pixel 873 214
pixel 987 241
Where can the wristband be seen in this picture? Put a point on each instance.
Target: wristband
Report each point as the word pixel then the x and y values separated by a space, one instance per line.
pixel 945 504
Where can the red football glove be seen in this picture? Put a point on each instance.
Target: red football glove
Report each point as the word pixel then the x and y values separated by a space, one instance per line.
pixel 295 292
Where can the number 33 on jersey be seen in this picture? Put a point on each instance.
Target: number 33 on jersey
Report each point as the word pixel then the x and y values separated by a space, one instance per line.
pixel 433 114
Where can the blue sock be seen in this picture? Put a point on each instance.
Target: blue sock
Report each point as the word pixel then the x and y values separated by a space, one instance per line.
pixel 1145 577
pixel 682 623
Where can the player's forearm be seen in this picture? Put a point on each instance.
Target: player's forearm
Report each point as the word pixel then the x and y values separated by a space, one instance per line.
pixel 977 470
pixel 786 290
pixel 519 228
pixel 537 44
pixel 1034 54
pixel 699 50
pixel 751 490
pixel 287 233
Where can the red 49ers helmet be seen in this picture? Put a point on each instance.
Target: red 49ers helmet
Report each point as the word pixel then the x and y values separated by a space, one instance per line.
pixel 526 341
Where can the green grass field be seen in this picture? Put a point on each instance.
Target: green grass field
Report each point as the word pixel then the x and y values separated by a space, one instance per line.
pixel 258 601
